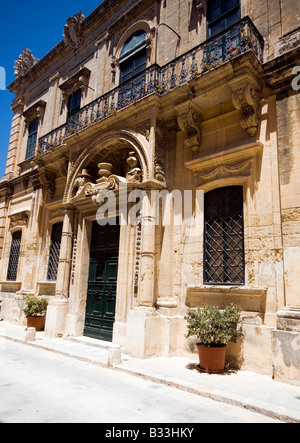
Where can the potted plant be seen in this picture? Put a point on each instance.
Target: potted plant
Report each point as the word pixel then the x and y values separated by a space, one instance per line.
pixel 35 312
pixel 214 329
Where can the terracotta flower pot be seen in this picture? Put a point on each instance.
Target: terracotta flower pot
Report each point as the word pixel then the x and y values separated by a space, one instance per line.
pixel 212 360
pixel 36 322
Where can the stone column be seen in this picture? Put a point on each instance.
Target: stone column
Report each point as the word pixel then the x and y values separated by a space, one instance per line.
pixel 58 308
pixel 146 297
pixel 144 325
pixel 65 257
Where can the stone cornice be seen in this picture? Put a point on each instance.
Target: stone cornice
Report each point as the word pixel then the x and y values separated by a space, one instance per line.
pixel 93 17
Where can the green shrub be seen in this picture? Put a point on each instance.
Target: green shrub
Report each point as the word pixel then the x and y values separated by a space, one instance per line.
pixel 213 326
pixel 35 306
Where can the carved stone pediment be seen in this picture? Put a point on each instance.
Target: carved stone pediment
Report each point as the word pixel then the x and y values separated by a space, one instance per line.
pixel 35 111
pixel 19 220
pixel 77 81
pixel 227 166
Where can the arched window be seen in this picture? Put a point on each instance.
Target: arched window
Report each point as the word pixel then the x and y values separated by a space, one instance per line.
pixel 133 57
pixel 224 261
pixel 133 64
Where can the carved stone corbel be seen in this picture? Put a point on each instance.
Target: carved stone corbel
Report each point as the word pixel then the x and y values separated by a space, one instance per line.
pixel 190 122
pixel 63 167
pixel 200 6
pixel 246 99
pixel 6 192
pixel 47 179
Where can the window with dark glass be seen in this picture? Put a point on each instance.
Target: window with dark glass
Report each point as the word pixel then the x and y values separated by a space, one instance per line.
pixel 221 14
pixel 32 138
pixel 224 237
pixel 14 257
pixel 133 57
pixel 74 103
pixel 133 61
pixel 54 251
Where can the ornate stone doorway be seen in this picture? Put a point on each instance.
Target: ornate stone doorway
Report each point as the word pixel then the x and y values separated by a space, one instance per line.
pixel 102 284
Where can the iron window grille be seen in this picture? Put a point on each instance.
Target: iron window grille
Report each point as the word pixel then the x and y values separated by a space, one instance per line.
pixel 54 251
pixel 224 261
pixel 14 257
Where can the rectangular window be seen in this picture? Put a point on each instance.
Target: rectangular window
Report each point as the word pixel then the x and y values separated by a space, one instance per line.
pixel 224 261
pixel 54 251
pixel 14 257
pixel 221 14
pixel 74 103
pixel 32 138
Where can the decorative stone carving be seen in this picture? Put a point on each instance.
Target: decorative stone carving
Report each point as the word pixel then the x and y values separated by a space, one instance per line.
pixel 144 129
pixel 35 111
pixel 73 31
pixel 246 98
pixel 134 174
pixel 200 6
pixel 160 151
pixel 190 122
pixel 47 179
pixel 223 172
pixel 19 220
pixel 79 80
pixel 24 63
pixel 6 192
pixel 81 181
pixel 84 187
pixel 220 168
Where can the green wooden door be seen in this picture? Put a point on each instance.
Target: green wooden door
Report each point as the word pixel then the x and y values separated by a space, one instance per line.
pixel 102 287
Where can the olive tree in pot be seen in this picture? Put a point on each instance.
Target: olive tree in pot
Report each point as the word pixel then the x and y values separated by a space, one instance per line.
pixel 35 312
pixel 214 328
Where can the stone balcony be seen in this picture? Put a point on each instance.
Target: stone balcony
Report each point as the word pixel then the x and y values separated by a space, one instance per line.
pixel 236 41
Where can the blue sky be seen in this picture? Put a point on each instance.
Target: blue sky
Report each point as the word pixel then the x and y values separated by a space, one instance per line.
pixel 37 26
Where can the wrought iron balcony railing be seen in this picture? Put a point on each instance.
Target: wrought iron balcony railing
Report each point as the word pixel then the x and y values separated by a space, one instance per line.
pixel 236 40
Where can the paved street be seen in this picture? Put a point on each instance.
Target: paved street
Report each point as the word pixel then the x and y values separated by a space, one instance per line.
pixel 37 386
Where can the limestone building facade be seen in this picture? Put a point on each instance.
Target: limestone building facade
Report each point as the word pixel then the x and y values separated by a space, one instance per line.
pixel 197 100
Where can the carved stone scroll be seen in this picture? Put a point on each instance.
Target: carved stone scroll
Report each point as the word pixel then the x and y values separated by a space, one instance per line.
pixel 246 99
pixel 190 122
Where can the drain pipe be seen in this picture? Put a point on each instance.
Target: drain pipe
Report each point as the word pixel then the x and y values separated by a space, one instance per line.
pixel 157 29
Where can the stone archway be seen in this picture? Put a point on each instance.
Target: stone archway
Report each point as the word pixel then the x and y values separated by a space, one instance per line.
pixel 124 157
pixel 115 148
